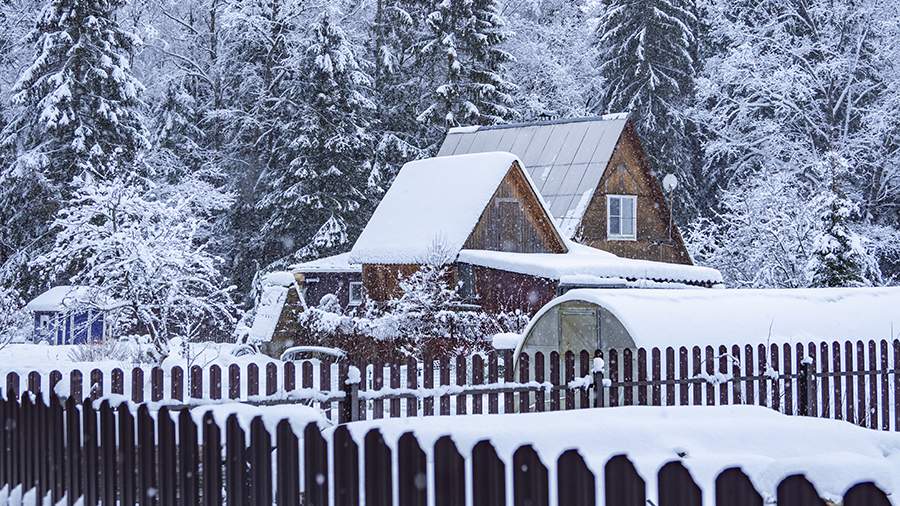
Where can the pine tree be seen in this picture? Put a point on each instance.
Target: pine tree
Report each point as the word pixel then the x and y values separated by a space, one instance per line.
pixel 319 203
pixel 471 87
pixel 646 60
pixel 397 29
pixel 77 114
pixel 839 254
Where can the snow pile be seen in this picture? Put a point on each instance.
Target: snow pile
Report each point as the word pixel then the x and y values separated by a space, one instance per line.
pixel 767 446
pixel 506 340
pixel 432 200
pixel 583 263
pixel 701 317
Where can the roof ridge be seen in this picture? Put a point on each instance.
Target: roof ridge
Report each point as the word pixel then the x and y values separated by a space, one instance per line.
pixel 618 116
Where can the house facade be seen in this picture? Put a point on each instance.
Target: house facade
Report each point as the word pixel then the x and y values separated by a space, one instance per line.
pixel 69 315
pixel 595 178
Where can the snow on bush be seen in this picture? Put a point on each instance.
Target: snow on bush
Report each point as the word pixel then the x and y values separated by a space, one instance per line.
pixel 429 317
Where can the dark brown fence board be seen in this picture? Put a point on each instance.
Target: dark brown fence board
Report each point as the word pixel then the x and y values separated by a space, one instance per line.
pixel 872 406
pixel 825 379
pixel 775 370
pixel 584 369
pixel 734 488
pixel 849 387
pixel 378 384
pixel 445 381
pixel 289 380
pixel 215 382
pixel 461 370
pixel 395 384
pixel 271 378
pixel 315 471
pixel 234 381
pixel 236 493
pixel 762 371
pixel 885 391
pixel 540 401
pixel 211 461
pixel 749 371
pixel 378 470
pixel 523 378
pixel 676 487
pixel 196 382
pixel 412 382
pixel 177 383
pixel 428 382
pixel 509 376
pixel 696 372
pixel 670 376
pixel 627 377
pixel 709 384
pixel 655 371
pixel 252 380
pixel 724 386
pixel 554 381
pixel 346 468
pixel 488 476
pixel 576 485
pixel 623 486
pixel 530 483
pixel 412 483
pixel 449 474
pixel 788 387
pixel 838 381
pixel 613 368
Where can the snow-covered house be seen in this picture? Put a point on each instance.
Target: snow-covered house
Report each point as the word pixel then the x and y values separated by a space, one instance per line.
pixel 482 214
pixel 603 319
pixel 594 176
pixel 69 315
pixel 333 275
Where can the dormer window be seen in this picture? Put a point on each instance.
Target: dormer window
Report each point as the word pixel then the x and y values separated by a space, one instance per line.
pixel 621 217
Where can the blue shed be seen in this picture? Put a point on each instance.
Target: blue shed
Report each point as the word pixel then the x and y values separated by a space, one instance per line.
pixel 68 315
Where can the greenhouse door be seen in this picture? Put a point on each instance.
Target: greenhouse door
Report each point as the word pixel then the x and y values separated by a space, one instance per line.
pixel 579 329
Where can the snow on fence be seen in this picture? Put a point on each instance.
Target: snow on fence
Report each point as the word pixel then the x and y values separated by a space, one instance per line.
pixel 853 381
pixel 129 455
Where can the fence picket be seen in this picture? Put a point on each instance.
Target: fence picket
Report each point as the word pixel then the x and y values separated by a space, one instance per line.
pixel 156 384
pixel 788 386
pixel 428 383
pixel 655 370
pixel 146 457
pixel 412 482
pixel 234 381
pixel 378 470
pixel 749 372
pixel 488 476
pixel 540 401
pixel 676 487
pixel 575 483
pixel 378 384
pixel 509 376
pixel 449 474
pixel 622 483
pixel 117 382
pixel 211 460
pixel 709 384
pixel 315 466
pixel 734 488
pixel 461 370
pixel 127 453
pixel 478 379
pixel 696 374
pixel 287 472
pixel 260 463
pixel 613 369
pixel 236 493
pixel 723 385
pixel 762 371
pixel 836 369
pixel 177 383
pixel 395 384
pixel 188 469
pixel 325 368
pixel 530 484
pixel 412 382
pixel 445 381
pixel 137 385
pixel 346 468
pixel 554 381
pixel 271 378
pixel 670 376
pixel 166 473
pixel 885 391
pixel 872 406
pixel 289 380
pixel 215 382
pixel 627 377
pixel 849 387
pixel 523 378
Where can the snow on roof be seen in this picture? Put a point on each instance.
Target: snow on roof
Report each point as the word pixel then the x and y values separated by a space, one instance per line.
pixel 566 158
pixel 746 316
pixel 335 263
pixel 432 201
pixel 766 445
pixel 67 297
pixel 585 265
pixel 268 312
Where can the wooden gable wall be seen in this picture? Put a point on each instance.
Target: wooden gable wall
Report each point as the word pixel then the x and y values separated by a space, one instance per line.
pixel 628 173
pixel 514 220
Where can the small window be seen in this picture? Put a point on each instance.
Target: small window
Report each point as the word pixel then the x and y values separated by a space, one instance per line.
pixel 466 282
pixel 621 212
pixel 356 293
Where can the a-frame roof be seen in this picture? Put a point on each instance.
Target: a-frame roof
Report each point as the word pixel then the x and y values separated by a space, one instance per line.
pixel 565 158
pixel 435 201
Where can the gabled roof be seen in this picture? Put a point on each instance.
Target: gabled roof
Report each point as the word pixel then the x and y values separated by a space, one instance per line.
pixel 565 158
pixel 435 201
pixel 68 297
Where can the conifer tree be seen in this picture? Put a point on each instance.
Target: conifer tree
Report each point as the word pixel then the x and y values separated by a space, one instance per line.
pixel 646 52
pixel 77 114
pixel 471 86
pixel 320 204
pixel 839 257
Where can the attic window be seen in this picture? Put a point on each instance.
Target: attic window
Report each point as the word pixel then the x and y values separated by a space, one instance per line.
pixel 621 221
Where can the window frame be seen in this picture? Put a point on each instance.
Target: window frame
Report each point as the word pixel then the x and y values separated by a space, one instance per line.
pixel 359 300
pixel 622 199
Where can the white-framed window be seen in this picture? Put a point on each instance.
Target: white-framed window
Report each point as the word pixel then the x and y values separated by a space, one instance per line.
pixel 356 293
pixel 621 217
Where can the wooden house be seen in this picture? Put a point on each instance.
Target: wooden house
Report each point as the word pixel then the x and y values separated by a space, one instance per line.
pixel 482 214
pixel 69 315
pixel 595 178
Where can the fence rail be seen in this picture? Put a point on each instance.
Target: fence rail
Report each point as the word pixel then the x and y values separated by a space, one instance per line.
pixel 72 452
pixel 856 381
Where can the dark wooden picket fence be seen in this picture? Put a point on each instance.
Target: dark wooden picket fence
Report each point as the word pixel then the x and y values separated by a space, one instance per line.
pixel 853 381
pixel 133 455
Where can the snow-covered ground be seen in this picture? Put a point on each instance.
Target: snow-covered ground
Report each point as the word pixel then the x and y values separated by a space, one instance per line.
pixel 767 446
pixel 45 358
